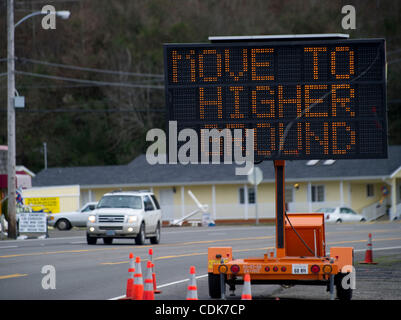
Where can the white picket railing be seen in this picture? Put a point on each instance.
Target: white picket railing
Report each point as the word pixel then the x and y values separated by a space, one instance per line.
pixel 375 210
pixel 227 211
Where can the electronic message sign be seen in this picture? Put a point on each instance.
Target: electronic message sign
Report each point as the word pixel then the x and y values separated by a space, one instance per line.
pixel 317 99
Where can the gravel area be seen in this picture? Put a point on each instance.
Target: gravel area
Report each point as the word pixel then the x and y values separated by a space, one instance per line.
pixel 381 281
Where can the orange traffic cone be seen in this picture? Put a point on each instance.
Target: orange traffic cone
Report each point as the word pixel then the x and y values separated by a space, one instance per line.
pixel 192 293
pixel 137 289
pixel 153 272
pixel 130 281
pixel 369 252
pixel 148 293
pixel 246 290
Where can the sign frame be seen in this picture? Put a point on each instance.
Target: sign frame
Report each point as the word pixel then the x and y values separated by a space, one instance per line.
pixel 279 43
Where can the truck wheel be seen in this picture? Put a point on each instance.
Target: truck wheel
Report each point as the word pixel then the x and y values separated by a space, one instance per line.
pixel 339 221
pixel 214 285
pixel 63 224
pixel 156 239
pixel 342 294
pixel 107 240
pixel 90 240
pixel 140 238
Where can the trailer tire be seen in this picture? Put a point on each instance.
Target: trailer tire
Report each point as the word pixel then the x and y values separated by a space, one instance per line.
pixel 214 285
pixel 342 294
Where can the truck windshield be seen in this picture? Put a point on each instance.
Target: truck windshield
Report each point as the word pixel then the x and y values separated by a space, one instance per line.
pixel 133 202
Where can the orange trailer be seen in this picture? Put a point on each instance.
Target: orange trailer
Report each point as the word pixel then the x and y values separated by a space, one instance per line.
pixel 299 257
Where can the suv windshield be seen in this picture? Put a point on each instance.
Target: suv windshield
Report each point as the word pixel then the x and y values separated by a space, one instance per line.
pixel 133 202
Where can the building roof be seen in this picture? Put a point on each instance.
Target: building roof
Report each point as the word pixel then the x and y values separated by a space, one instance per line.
pixel 140 173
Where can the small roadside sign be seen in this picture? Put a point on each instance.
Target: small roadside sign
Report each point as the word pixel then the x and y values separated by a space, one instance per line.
pixel 33 222
pixel 255 176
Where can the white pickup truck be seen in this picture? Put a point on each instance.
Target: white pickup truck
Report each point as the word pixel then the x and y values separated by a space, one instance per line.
pixel 67 220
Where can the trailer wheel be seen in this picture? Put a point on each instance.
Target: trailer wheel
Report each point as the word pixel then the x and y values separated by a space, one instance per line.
pixel 342 294
pixel 214 285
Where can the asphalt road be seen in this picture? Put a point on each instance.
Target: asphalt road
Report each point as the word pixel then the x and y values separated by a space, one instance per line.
pixel 100 272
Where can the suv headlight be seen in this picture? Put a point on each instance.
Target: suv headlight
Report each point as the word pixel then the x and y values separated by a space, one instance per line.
pixel 92 218
pixel 132 219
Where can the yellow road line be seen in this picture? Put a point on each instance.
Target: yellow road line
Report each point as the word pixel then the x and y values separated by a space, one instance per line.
pixel 360 231
pixel 188 255
pixel 52 252
pixel 15 275
pixel 354 241
pixel 170 245
pixel 117 248
pixel 243 250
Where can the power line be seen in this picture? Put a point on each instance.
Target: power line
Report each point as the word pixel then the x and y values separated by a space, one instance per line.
pixel 37 86
pixel 389 53
pixel 99 83
pixel 72 67
pixel 394 61
pixel 63 110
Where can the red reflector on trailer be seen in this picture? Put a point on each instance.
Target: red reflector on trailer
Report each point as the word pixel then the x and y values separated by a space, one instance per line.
pixel 234 268
pixel 275 269
pixel 283 269
pixel 267 269
pixel 315 268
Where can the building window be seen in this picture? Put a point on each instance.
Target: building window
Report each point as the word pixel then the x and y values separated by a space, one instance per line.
pixel 317 193
pixel 370 190
pixel 251 195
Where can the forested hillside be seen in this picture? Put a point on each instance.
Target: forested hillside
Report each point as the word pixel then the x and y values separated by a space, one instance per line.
pixel 96 117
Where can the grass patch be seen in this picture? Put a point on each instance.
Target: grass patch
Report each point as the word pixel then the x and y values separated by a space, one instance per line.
pixel 387 261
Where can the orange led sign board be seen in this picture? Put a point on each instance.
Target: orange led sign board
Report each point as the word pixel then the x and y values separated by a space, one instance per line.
pixel 317 99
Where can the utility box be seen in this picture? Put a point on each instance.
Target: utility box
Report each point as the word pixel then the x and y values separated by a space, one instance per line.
pixel 310 227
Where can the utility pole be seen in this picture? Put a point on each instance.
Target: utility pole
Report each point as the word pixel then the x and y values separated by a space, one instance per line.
pixel 12 226
pixel 45 153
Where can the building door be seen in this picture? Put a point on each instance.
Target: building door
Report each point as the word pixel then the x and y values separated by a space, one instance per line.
pixel 167 204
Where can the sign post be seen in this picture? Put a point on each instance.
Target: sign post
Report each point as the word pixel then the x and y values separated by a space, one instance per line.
pixel 255 177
